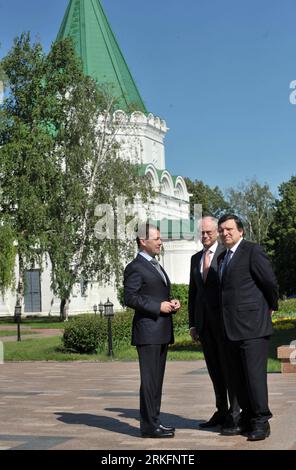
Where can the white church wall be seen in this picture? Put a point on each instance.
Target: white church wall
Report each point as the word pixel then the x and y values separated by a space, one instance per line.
pixel 176 259
pixel 141 138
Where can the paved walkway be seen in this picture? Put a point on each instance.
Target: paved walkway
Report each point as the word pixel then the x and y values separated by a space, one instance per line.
pixel 36 332
pixel 49 405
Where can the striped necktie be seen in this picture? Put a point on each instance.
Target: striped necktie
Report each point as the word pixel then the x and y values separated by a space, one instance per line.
pixel 156 264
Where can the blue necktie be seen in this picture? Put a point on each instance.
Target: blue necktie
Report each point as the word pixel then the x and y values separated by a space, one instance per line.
pixel 225 262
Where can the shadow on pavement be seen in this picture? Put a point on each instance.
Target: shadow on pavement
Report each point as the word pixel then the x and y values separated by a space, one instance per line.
pixel 116 425
pixel 103 422
pixel 167 419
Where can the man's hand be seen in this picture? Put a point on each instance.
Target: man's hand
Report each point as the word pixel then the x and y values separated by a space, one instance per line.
pixel 166 307
pixel 193 333
pixel 175 305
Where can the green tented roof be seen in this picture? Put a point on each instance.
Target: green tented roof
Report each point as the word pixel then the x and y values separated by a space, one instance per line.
pixel 86 23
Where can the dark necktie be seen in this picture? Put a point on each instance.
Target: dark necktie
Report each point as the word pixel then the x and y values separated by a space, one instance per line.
pixel 225 262
pixel 158 268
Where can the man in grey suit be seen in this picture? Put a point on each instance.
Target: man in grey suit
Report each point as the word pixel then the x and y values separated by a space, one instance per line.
pixel 147 291
pixel 205 322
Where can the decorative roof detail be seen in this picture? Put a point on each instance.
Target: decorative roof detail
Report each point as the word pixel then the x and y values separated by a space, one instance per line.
pixel 137 117
pixel 86 23
pixel 162 181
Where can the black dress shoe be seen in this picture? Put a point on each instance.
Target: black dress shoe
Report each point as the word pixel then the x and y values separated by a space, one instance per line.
pixel 216 419
pixel 158 433
pixel 236 430
pixel 259 432
pixel 167 428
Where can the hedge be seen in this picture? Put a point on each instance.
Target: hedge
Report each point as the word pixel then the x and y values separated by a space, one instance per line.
pixel 85 333
pixel 88 333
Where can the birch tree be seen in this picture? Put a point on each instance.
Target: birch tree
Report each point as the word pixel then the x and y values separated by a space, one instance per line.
pixel 58 162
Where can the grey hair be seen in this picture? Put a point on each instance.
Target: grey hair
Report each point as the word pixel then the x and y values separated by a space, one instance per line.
pixel 213 219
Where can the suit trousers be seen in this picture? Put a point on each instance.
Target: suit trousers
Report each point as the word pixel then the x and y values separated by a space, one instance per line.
pixel 213 343
pixel 248 363
pixel 152 361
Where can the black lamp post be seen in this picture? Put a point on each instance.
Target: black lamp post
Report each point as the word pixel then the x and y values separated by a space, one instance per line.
pixel 95 308
pixel 101 308
pixel 17 316
pixel 109 314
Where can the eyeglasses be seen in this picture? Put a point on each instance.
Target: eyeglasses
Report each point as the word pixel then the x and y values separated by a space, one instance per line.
pixel 206 232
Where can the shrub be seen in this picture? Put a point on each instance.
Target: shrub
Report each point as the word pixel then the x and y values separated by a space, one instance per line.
pixel 285 325
pixel 88 333
pixel 85 333
pixel 122 328
pixel 180 292
pixel 287 306
pixel 180 320
pixel 120 296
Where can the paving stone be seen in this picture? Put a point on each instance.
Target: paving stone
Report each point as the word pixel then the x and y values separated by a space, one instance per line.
pixel 95 406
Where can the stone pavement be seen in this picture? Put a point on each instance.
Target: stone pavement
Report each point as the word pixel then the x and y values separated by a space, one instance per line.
pixel 50 405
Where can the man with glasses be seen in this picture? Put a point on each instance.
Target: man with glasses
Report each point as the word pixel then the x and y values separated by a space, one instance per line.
pixel 205 322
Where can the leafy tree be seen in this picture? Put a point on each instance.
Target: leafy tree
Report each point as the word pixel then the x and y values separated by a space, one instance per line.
pixel 7 257
pixel 212 199
pixel 26 166
pixel 58 161
pixel 254 203
pixel 2 83
pixel 282 237
pixel 91 173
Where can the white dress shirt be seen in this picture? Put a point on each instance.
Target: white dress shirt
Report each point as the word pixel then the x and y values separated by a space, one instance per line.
pixel 234 248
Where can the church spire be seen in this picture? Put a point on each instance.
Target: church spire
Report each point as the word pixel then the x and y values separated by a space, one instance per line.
pixel 86 23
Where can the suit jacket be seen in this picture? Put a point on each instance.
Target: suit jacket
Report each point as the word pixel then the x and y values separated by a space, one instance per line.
pixel 249 290
pixel 144 290
pixel 203 296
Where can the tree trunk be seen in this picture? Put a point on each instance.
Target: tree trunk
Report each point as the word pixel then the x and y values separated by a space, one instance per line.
pixel 64 309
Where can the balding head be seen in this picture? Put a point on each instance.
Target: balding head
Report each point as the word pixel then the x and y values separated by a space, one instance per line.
pixel 209 231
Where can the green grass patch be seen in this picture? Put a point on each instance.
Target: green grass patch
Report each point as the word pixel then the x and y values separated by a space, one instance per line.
pixel 287 306
pixel 274 365
pixel 36 322
pixel 52 349
pixel 44 349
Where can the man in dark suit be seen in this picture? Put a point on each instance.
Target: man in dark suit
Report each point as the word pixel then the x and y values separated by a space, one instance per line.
pixel 205 321
pixel 147 291
pixel 249 295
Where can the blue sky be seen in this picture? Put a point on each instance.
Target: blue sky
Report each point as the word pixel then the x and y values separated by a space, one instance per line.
pixel 218 72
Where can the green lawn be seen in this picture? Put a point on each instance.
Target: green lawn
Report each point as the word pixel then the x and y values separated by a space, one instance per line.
pixel 44 349
pixel 51 349
pixel 42 322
